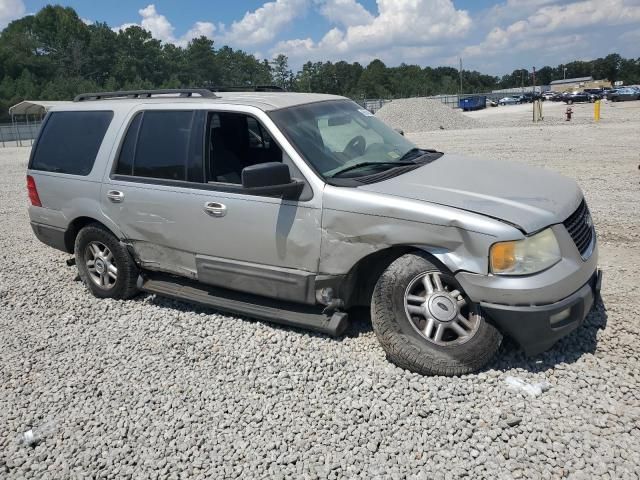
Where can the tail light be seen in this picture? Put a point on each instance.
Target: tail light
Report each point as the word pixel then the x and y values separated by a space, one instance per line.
pixel 33 192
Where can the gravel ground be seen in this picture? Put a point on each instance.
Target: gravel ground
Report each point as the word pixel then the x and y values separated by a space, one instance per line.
pixel 154 388
pixel 423 114
pixel 554 114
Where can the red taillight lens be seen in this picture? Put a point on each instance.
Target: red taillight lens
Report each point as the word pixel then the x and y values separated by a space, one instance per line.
pixel 33 192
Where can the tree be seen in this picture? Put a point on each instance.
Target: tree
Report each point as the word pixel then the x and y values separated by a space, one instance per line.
pixel 608 67
pixel 239 68
pixel 201 62
pixel 101 54
pixel 138 57
pixel 280 72
pixel 63 37
pixel 374 82
pixel 54 55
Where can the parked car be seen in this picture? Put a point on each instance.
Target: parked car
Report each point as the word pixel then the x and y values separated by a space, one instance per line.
pixel 596 93
pixel 623 94
pixel 548 95
pixel 509 101
pixel 295 207
pixel 530 97
pixel 576 96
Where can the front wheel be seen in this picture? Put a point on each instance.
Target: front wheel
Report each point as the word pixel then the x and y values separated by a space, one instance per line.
pixel 426 324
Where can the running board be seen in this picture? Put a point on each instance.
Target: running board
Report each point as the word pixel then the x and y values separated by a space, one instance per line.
pixel 291 314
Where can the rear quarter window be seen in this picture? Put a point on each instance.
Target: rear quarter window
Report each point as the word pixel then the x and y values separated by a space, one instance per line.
pixel 69 142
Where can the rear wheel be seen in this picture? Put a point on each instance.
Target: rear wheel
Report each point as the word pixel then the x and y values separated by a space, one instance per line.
pixel 426 324
pixel 104 264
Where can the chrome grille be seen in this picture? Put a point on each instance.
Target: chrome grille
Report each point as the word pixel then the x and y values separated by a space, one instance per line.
pixel 580 227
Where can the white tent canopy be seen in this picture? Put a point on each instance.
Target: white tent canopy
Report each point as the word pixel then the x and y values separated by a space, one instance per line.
pixel 34 107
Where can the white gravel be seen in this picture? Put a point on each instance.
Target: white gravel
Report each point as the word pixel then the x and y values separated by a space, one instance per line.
pixel 423 114
pixel 154 388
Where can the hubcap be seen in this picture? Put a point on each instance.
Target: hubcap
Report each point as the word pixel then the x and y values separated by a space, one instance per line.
pixel 101 265
pixel 438 311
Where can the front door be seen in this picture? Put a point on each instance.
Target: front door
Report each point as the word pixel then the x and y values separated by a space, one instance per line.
pixel 175 193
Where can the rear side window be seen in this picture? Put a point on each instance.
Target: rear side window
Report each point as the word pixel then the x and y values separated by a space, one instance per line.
pixel 165 145
pixel 69 142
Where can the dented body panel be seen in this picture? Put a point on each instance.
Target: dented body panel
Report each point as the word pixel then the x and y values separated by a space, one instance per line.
pixel 169 228
pixel 531 198
pixel 356 223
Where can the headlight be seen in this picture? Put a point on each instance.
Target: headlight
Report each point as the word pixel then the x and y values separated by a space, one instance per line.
pixel 522 257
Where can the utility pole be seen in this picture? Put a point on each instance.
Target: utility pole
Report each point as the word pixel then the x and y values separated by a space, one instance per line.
pixel 534 80
pixel 460 75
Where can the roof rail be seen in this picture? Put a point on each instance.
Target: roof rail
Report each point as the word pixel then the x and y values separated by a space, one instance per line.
pixel 182 92
pixel 247 88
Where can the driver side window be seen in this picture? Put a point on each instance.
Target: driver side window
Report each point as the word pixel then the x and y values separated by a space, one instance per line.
pixel 236 141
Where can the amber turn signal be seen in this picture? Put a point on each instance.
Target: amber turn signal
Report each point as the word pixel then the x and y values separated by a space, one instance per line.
pixel 503 256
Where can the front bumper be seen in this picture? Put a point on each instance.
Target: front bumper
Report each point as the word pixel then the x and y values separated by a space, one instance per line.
pixel 537 328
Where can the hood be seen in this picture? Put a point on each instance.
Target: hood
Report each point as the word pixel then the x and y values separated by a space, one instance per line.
pixel 531 198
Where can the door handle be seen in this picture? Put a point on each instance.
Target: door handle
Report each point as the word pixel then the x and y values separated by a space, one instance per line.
pixel 215 209
pixel 115 196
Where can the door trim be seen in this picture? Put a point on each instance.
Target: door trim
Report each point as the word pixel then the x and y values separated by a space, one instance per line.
pixel 266 280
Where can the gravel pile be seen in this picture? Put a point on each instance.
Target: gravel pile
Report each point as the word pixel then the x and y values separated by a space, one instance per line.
pixel 155 388
pixel 423 115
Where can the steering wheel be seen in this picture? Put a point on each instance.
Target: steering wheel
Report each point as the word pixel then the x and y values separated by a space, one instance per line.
pixel 355 147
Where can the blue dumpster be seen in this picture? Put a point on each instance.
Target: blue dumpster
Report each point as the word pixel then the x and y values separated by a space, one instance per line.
pixel 474 102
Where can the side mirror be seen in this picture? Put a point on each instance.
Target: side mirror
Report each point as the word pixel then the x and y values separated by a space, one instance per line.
pixel 271 179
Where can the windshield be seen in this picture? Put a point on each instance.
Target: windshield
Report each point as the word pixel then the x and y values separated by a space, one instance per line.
pixel 341 139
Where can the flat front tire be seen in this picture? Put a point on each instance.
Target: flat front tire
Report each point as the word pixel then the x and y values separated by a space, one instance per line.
pixel 104 264
pixel 426 324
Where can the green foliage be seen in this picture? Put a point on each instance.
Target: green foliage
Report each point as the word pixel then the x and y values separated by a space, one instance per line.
pixel 54 55
pixel 612 67
pixel 282 75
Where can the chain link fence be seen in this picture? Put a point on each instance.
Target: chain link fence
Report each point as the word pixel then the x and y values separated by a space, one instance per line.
pixel 453 101
pixel 18 134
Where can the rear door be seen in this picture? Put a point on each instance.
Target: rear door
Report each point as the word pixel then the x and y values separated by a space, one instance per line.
pixel 149 192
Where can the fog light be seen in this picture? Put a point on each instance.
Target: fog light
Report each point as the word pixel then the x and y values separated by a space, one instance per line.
pixel 560 316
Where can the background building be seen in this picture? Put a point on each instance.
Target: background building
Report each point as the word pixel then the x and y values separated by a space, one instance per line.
pixel 580 83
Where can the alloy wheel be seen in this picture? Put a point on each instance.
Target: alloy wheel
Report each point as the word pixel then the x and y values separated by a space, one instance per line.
pixel 438 311
pixel 101 265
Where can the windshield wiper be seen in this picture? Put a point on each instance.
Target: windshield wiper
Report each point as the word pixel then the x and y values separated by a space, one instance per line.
pixel 397 163
pixel 416 153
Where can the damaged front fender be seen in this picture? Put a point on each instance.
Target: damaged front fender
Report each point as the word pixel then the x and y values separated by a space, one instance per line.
pixel 356 224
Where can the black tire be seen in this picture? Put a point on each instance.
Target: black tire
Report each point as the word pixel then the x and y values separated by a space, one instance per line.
pixel 401 341
pixel 127 271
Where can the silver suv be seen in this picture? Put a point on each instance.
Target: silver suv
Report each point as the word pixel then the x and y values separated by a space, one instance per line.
pixel 295 208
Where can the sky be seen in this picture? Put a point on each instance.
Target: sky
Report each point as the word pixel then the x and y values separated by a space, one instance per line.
pixel 491 36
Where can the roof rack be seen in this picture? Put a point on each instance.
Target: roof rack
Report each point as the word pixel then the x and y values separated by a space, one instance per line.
pixel 182 92
pixel 249 88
